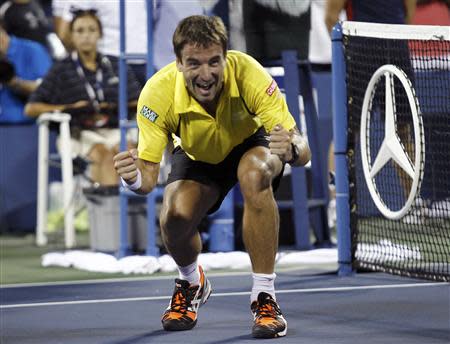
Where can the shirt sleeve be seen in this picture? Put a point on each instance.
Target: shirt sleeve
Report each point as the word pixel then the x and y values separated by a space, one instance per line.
pixel 41 62
pixel 154 107
pixel 262 94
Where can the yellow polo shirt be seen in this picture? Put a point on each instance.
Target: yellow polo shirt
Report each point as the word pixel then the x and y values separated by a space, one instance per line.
pixel 250 98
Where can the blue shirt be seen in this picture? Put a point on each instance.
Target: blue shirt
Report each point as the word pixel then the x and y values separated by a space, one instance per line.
pixel 31 62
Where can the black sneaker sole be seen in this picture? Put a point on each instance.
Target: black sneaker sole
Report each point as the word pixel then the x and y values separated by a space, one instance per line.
pixel 267 333
pixel 175 325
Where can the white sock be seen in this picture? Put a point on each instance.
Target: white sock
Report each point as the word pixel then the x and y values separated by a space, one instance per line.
pixel 190 273
pixel 263 282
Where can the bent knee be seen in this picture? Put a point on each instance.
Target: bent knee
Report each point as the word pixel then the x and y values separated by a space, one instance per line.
pixel 255 180
pixel 176 223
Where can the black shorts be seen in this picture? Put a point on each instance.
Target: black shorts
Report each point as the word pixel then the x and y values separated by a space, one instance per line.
pixel 222 175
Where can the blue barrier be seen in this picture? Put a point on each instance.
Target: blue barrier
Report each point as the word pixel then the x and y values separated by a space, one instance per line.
pixel 298 82
pixel 18 176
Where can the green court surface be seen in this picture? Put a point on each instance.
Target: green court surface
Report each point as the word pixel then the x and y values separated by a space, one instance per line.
pixel 20 261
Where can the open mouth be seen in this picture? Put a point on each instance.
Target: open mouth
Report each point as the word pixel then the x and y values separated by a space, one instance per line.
pixel 204 87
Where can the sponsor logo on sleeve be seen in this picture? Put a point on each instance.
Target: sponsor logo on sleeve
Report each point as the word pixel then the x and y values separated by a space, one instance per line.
pixel 148 113
pixel 272 87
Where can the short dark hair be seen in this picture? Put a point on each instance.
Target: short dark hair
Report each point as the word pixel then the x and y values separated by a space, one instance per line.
pixel 80 13
pixel 200 30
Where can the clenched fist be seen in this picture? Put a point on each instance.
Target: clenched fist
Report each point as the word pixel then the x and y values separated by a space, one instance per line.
pixel 125 165
pixel 280 143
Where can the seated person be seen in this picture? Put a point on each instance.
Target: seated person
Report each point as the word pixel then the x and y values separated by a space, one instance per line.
pixel 85 84
pixel 22 64
pixel 27 19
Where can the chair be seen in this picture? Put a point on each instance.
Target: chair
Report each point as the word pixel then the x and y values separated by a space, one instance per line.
pixel 67 177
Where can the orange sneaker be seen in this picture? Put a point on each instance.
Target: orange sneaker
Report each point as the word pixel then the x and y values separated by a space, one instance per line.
pixel 186 300
pixel 268 319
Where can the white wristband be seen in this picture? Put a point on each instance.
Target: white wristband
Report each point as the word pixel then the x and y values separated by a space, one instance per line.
pixel 136 185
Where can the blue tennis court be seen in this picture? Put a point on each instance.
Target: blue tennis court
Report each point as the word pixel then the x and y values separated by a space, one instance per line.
pixel 320 307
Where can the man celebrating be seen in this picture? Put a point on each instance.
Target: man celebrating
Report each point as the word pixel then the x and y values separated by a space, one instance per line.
pixel 229 123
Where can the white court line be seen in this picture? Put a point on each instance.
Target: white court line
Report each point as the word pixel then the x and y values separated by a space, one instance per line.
pixel 286 291
pixel 116 280
pixel 170 276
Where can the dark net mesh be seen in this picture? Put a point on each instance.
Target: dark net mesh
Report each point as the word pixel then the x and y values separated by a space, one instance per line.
pixel 418 243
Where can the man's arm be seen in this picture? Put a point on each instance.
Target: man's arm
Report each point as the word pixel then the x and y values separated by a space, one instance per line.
pixel 332 10
pixel 150 173
pixel 34 109
pixel 22 87
pixel 19 86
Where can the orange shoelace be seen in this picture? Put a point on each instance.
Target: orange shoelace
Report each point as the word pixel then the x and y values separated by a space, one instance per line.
pixel 268 309
pixel 181 300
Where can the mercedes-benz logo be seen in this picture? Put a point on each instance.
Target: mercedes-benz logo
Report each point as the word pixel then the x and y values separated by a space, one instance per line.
pixel 391 147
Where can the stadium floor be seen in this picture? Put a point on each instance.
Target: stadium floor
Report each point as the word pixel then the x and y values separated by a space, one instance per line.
pixel 319 308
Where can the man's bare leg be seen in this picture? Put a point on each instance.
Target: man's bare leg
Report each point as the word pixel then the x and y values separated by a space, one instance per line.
pixel 256 171
pixel 261 218
pixel 185 204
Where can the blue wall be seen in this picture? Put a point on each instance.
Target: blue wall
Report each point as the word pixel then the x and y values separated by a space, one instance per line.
pixel 18 177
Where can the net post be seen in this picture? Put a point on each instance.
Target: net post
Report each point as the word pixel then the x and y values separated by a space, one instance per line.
pixel 339 96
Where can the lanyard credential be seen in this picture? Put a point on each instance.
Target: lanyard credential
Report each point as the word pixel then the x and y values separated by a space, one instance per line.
pixel 95 95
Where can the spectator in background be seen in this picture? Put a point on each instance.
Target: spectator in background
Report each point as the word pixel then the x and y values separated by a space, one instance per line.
pixel 236 22
pixel 320 59
pixel 85 84
pixel 27 19
pixel 166 16
pixel 22 64
pixel 319 37
pixel 271 26
pixel 378 11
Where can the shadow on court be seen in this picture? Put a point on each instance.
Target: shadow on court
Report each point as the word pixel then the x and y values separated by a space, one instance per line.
pixel 160 336
pixel 149 337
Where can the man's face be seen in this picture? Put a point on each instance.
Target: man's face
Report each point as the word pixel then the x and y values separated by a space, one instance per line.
pixel 203 70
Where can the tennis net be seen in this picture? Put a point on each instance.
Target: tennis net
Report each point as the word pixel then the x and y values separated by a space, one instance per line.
pixel 398 147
